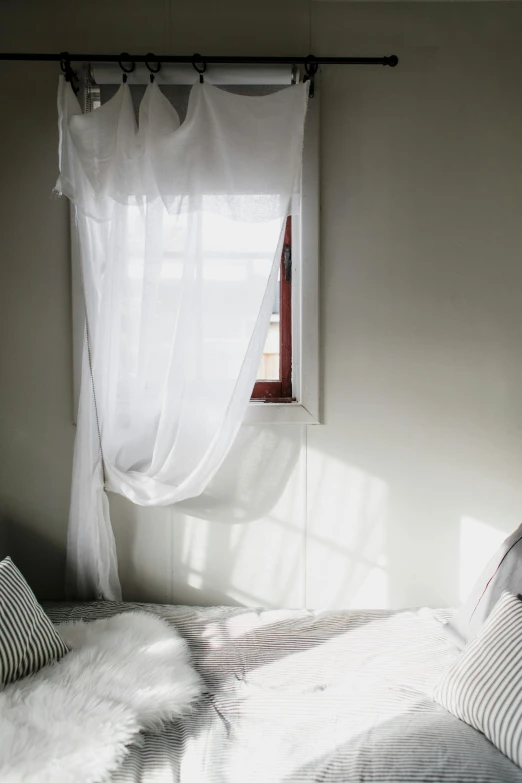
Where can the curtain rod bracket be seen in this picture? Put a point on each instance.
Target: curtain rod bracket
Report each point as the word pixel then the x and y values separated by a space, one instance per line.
pixel 311 68
pixel 70 75
pixel 197 58
pixel 126 58
pixel 151 57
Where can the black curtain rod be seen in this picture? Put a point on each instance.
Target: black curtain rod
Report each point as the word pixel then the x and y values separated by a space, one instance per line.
pixel 392 60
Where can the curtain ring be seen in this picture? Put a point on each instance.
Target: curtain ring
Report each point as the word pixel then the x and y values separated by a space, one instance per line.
pixel 197 58
pixel 67 70
pixel 126 58
pixel 311 68
pixel 152 70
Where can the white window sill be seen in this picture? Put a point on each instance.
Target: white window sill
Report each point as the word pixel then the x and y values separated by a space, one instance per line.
pixel 279 413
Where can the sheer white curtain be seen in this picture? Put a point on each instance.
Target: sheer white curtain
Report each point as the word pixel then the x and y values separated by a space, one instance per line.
pixel 180 229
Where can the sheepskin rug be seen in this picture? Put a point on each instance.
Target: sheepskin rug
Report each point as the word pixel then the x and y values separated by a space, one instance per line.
pixel 72 721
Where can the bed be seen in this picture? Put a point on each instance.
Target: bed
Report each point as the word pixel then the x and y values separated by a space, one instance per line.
pixel 301 696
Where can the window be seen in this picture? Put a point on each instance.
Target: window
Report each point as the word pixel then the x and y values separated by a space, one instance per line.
pixel 274 383
pixel 287 388
pixel 299 400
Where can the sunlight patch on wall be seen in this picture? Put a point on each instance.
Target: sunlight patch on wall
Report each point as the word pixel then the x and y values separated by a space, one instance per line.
pixel 266 559
pixel 373 591
pixel 478 543
pixel 346 536
pixel 195 580
pixel 242 540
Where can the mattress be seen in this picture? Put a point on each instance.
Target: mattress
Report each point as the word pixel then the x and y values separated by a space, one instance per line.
pixel 301 697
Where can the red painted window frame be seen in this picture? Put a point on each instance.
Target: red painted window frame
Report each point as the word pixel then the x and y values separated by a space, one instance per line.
pixel 281 390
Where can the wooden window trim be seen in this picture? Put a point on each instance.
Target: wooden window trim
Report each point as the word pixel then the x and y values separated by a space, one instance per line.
pixel 281 390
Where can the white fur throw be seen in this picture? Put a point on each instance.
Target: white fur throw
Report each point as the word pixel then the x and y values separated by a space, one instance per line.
pixel 72 721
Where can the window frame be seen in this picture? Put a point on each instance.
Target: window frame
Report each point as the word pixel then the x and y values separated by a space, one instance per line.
pixel 303 404
pixel 304 408
pixel 280 390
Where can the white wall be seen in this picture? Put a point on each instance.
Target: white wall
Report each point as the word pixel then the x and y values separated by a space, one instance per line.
pixel 416 472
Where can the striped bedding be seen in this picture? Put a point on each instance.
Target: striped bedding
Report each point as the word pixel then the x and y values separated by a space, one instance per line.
pixel 302 697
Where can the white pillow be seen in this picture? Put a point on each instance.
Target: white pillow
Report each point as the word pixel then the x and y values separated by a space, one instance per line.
pixel 484 686
pixel 503 572
pixel 28 639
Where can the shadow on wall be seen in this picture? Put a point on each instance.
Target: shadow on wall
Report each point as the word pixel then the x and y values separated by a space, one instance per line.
pixel 40 560
pixel 347 554
pixel 241 542
pixel 251 480
pixel 344 538
pixel 245 533
pixel 367 544
pixel 245 541
pixel 373 543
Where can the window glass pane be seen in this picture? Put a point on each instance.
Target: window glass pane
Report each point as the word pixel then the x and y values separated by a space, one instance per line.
pixel 269 367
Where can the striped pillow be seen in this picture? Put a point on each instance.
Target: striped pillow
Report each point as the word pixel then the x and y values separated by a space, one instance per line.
pixel 484 686
pixel 28 639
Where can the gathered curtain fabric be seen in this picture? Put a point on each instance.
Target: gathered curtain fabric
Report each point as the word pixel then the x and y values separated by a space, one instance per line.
pixel 180 229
